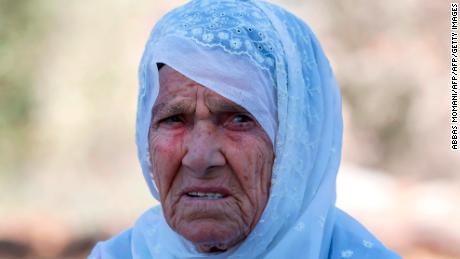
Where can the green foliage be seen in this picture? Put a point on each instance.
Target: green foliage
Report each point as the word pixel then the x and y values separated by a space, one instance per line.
pixel 22 25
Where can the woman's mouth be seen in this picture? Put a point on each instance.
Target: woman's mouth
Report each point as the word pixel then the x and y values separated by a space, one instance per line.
pixel 205 195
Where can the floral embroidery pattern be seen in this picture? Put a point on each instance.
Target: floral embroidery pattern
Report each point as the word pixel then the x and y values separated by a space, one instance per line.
pixel 368 244
pixel 346 253
pixel 235 32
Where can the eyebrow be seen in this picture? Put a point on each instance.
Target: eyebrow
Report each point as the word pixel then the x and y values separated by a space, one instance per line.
pixel 215 105
pixel 221 105
pixel 163 108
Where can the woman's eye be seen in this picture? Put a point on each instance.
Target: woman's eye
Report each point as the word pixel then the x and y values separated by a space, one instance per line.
pixel 241 118
pixel 240 122
pixel 171 120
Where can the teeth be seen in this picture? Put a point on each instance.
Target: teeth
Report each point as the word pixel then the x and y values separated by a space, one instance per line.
pixel 208 195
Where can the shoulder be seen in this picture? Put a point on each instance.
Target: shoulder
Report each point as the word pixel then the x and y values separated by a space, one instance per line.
pixel 118 246
pixel 350 239
pixel 123 244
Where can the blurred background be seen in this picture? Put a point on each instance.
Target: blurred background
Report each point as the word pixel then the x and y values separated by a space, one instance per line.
pixel 68 83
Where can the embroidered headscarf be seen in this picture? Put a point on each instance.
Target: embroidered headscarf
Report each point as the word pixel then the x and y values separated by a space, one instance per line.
pixel 268 61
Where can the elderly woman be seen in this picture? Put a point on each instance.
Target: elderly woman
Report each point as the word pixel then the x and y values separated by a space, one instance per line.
pixel 239 133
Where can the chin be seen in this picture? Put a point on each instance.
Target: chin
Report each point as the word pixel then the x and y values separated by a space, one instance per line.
pixel 211 235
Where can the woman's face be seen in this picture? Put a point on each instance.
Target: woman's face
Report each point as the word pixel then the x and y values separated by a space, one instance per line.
pixel 211 162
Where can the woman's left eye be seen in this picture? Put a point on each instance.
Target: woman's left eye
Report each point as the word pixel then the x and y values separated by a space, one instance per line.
pixel 241 118
pixel 240 122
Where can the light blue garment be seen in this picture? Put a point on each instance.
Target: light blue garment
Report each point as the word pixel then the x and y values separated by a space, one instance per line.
pixel 300 219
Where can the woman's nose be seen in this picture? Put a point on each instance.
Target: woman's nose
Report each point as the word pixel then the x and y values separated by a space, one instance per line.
pixel 203 151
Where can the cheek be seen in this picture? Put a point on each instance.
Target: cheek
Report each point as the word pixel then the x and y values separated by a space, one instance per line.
pixel 251 157
pixel 165 158
pixel 260 170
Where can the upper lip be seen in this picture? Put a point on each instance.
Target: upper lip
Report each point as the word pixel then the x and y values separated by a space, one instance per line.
pixel 221 190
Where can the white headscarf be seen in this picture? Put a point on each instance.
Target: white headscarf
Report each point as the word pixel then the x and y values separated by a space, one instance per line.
pixel 269 62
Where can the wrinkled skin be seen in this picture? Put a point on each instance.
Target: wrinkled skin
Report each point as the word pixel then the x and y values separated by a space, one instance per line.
pixel 202 142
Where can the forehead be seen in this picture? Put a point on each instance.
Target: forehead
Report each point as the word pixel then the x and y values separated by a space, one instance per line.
pixel 173 82
pixel 176 89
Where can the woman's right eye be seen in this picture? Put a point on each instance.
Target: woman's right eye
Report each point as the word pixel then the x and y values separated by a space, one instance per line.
pixel 171 121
